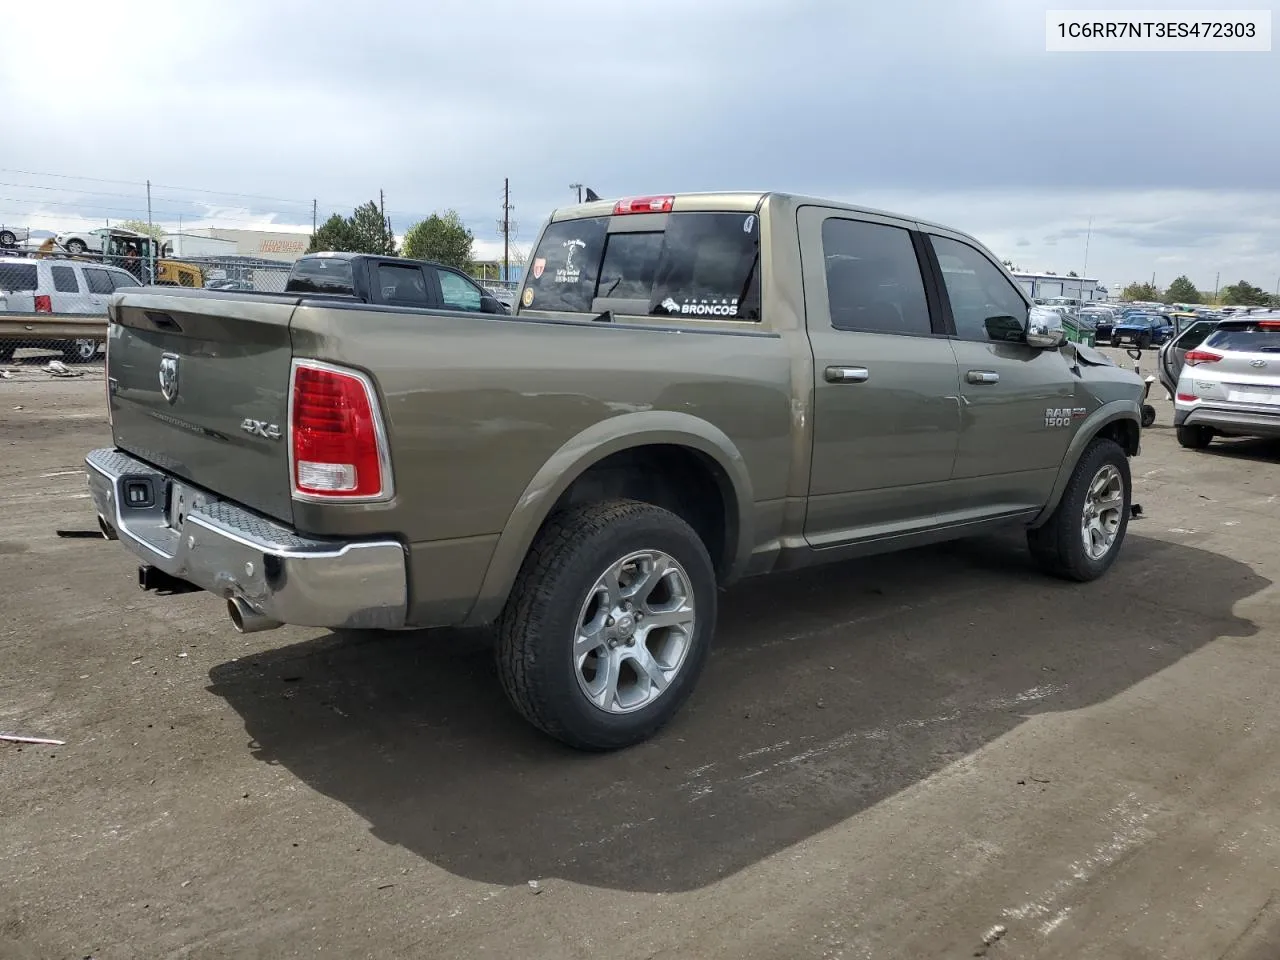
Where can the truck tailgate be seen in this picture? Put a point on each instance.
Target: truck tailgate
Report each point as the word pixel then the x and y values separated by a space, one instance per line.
pixel 198 386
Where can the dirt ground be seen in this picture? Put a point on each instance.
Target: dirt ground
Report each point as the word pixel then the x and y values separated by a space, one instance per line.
pixel 886 759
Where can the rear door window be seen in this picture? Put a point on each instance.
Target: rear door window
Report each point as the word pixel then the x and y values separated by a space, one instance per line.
pixel 403 284
pixel 122 280
pixel 15 277
pixel 64 280
pixel 873 277
pixel 98 280
pixel 697 265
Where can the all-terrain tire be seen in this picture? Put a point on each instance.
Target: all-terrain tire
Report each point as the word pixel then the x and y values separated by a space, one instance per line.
pixel 539 624
pixel 1194 436
pixel 1058 545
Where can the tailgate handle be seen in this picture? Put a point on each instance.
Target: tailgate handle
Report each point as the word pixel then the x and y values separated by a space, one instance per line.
pixel 163 321
pixel 982 376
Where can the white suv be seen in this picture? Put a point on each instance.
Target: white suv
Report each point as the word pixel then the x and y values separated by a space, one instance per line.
pixel 1229 383
pixel 57 286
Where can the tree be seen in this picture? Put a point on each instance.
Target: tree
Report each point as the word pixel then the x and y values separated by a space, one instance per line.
pixel 1009 265
pixel 443 238
pixel 1072 273
pixel 1182 290
pixel 153 230
pixel 1140 291
pixel 363 232
pixel 1050 273
pixel 1244 294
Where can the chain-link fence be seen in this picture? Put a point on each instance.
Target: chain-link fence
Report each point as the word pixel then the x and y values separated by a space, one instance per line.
pixel 55 303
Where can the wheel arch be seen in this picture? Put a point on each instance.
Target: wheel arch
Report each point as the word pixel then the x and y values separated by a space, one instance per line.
pixel 604 462
pixel 1119 420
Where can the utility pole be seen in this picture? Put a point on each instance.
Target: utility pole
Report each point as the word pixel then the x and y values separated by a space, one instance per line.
pixel 313 217
pixel 1217 277
pixel 151 234
pixel 382 205
pixel 578 187
pixel 1087 237
pixel 506 229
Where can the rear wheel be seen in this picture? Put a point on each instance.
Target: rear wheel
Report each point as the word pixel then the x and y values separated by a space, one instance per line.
pixel 1194 436
pixel 8 238
pixel 76 246
pixel 608 625
pixel 1082 538
pixel 80 351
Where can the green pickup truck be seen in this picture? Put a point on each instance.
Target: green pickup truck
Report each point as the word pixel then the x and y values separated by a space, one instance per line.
pixel 689 390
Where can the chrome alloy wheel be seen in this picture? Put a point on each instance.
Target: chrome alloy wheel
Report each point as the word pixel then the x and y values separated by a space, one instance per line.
pixel 1103 504
pixel 634 631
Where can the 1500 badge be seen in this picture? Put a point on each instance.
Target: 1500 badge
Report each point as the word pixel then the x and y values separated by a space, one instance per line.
pixel 260 428
pixel 1063 416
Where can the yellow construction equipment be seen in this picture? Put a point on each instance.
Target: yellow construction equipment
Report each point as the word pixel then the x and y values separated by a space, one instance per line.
pixel 139 254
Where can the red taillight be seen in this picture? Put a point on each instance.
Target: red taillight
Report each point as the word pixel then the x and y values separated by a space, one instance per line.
pixel 644 205
pixel 1187 397
pixel 1195 357
pixel 44 304
pixel 338 448
pixel 1269 324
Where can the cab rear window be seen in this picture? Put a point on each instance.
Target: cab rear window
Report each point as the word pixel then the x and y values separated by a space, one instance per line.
pixel 703 265
pixel 320 275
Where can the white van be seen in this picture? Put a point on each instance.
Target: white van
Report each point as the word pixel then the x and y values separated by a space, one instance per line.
pixel 58 286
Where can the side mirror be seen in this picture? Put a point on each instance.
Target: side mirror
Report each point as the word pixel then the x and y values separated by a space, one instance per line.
pixel 1044 329
pixel 490 304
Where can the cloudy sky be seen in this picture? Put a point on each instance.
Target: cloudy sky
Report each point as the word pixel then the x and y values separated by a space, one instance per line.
pixel 243 111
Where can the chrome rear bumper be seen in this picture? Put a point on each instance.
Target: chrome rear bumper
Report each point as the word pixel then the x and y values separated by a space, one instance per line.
pixel 242 556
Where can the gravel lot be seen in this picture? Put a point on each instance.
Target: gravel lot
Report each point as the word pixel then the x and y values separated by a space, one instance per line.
pixel 885 759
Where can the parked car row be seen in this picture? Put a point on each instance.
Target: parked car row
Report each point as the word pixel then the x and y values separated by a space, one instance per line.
pixel 58 286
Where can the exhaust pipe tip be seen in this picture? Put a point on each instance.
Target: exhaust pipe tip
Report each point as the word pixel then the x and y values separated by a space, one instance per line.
pixel 108 531
pixel 248 620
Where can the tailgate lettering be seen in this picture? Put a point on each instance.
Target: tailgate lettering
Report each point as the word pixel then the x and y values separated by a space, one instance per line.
pixel 260 428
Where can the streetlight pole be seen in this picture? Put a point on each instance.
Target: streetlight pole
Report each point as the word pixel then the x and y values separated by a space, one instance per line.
pixel 578 187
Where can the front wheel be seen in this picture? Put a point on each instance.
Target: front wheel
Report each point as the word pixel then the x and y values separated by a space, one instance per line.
pixel 1082 537
pixel 1195 436
pixel 608 625
pixel 8 238
pixel 1148 415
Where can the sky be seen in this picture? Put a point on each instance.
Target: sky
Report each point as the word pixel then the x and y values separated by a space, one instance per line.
pixel 244 111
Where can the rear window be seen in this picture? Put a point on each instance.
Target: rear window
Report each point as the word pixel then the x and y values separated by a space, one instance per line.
pixel 698 265
pixel 320 275
pixel 1255 338
pixel 18 276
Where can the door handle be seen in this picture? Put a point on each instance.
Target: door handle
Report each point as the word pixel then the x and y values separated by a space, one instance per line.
pixel 982 376
pixel 848 374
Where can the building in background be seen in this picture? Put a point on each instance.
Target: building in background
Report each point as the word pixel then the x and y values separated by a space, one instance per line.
pixel 280 246
pixel 1046 286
